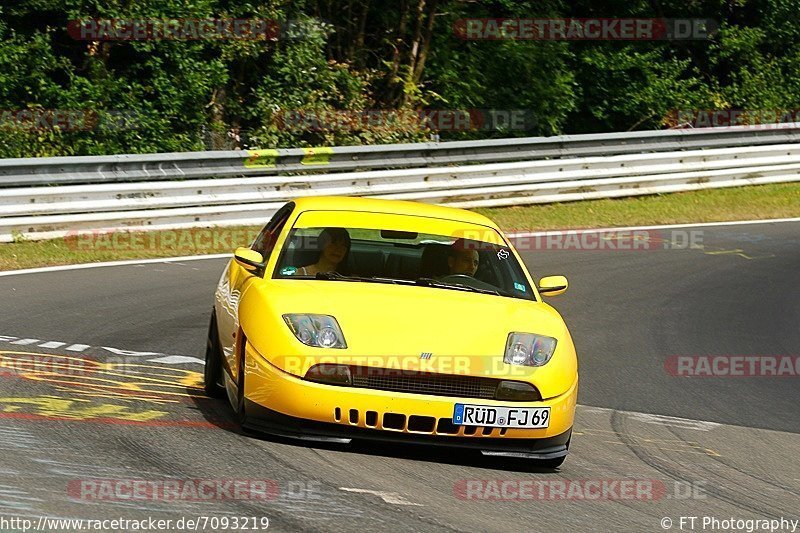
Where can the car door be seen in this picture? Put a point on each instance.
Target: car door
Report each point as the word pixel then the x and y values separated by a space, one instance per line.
pixel 234 282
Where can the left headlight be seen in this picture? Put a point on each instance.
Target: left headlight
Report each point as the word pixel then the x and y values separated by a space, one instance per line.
pixel 529 349
pixel 320 331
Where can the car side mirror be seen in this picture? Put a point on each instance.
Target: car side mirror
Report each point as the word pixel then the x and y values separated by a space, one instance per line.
pixel 250 260
pixel 553 285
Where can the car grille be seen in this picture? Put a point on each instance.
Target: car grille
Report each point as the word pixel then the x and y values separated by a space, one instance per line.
pixel 424 383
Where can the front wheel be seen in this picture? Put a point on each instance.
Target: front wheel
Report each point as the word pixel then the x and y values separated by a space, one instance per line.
pixel 212 373
pixel 241 408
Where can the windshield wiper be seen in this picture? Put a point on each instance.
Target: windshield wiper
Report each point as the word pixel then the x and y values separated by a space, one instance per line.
pixel 424 282
pixel 378 279
pixel 335 276
pixel 431 282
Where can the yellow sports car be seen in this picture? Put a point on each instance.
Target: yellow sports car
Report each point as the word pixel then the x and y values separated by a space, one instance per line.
pixel 355 318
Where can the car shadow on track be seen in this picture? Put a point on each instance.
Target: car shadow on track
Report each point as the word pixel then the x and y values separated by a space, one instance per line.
pixel 220 414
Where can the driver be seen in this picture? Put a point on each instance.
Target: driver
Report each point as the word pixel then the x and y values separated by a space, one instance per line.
pixel 462 259
pixel 334 245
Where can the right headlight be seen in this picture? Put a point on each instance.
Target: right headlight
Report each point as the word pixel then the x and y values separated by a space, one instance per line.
pixel 319 331
pixel 529 349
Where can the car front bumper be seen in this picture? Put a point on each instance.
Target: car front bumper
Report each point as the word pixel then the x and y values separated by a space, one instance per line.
pixel 283 404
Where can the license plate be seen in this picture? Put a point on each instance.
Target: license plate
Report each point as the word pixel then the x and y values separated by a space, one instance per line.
pixel 501 417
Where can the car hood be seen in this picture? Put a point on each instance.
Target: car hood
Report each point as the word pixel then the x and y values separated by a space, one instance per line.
pixel 392 326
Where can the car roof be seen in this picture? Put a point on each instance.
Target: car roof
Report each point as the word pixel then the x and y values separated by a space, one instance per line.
pixel 398 207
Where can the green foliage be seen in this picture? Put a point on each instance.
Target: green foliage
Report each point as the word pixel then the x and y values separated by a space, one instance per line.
pixel 634 89
pixel 758 76
pixel 336 61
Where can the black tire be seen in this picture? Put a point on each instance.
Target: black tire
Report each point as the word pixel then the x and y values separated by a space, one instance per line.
pixel 212 373
pixel 241 407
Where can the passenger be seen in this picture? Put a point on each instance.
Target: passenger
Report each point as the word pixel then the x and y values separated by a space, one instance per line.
pixel 333 245
pixel 462 258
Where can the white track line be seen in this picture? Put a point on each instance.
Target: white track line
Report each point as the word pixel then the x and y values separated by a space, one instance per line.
pixel 389 497
pixel 511 235
pixel 112 264
pixel 661 420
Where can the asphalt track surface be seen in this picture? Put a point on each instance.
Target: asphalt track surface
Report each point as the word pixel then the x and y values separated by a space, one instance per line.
pixel 140 415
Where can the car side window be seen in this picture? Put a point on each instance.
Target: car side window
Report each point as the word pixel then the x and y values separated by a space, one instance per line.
pixel 265 241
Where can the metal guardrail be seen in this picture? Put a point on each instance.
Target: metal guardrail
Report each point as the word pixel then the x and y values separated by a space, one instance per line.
pixel 220 164
pixel 202 189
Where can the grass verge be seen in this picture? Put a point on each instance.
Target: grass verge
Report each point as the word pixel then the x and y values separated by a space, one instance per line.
pixel 713 205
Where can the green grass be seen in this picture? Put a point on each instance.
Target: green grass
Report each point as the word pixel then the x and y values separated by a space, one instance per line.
pixel 739 203
pixel 712 205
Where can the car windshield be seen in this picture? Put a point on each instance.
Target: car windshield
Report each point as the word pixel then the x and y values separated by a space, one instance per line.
pixel 402 257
